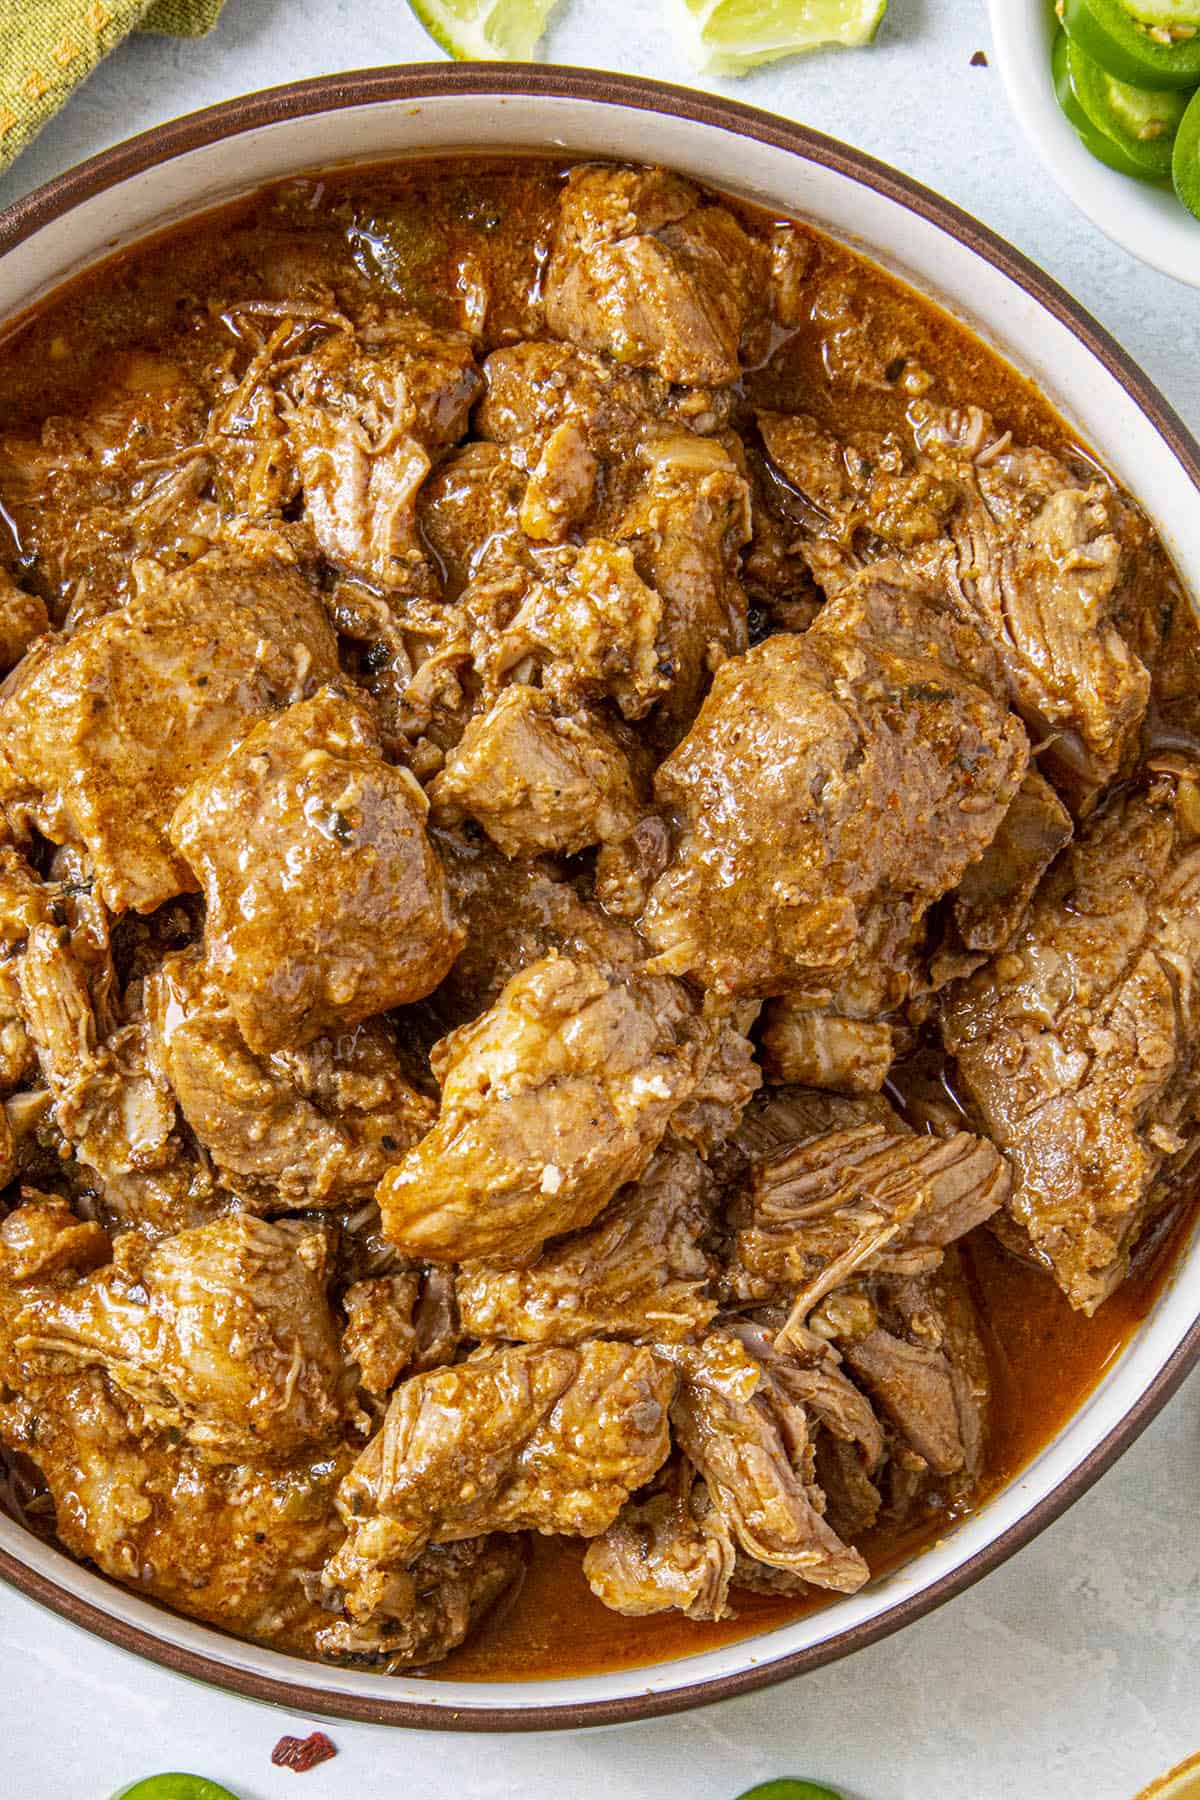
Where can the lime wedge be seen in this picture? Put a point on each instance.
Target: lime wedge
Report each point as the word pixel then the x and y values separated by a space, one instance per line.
pixel 727 37
pixel 485 30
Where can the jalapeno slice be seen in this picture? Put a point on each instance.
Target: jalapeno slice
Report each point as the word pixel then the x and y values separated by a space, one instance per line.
pixel 1148 45
pixel 1102 148
pixel 1185 163
pixel 1141 122
pixel 175 1787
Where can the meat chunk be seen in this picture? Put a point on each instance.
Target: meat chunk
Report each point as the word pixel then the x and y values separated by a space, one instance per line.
pixel 26 902
pixel 857 487
pixel 544 1439
pixel 779 1118
pixel 888 601
pixel 822 1050
pixel 828 793
pixel 42 1239
pixel 1037 558
pixel 731 1075
pixel 23 618
pixel 381 1333
pixel 536 780
pixel 815 1376
pixel 860 1198
pixel 1038 565
pixel 514 913
pixel 561 485
pixel 644 272
pixel 340 909
pixel 739 1420
pixel 534 388
pixel 897 602
pixel 309 1127
pixel 395 370
pixel 120 476
pixel 994 894
pixel 229 1545
pixel 9 1158
pixel 852 1500
pixel 223 1333
pixel 109 1100
pixel 913 1386
pixel 686 528
pixel 918 1354
pixel 640 1271
pixel 551 1101
pixel 23 904
pixel 590 625
pixel 17 1055
pixel 111 1104
pixel 104 731
pixel 367 414
pixel 673 1549
pixel 362 501
pixel 470 515
pixel 1078 1044
pixel 424 1612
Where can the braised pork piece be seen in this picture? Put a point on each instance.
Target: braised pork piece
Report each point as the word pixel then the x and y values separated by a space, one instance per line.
pixel 599 874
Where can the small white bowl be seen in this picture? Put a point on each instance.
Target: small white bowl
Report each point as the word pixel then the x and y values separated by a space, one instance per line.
pixel 1147 221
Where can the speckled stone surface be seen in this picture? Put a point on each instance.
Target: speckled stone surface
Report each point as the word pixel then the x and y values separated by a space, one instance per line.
pixel 1071 1673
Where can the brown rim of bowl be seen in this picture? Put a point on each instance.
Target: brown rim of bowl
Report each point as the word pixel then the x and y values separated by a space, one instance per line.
pixel 419 81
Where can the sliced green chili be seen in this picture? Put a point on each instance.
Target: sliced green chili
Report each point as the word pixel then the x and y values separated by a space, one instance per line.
pixel 1149 45
pixel 1141 122
pixel 1185 163
pixel 1094 141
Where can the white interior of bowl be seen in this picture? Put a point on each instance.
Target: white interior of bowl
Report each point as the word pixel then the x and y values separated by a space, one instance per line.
pixel 1144 219
pixel 1009 318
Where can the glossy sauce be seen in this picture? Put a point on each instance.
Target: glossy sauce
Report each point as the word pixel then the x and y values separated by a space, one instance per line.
pixel 425 233
pixel 487 217
pixel 1044 1361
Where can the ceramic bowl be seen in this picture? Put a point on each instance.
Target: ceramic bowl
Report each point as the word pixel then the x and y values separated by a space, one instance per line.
pixel 1147 221
pixel 214 155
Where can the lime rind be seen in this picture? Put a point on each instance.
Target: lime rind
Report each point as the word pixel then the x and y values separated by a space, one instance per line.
pixel 730 37
pixel 175 1786
pixel 485 30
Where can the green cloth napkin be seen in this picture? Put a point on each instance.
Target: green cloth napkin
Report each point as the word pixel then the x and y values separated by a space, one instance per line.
pixel 49 47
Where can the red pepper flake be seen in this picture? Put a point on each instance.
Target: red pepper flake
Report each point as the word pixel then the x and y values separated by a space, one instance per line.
pixel 979 60
pixel 301 1754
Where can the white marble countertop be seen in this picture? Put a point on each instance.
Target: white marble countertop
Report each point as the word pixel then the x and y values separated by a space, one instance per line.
pixel 1071 1672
